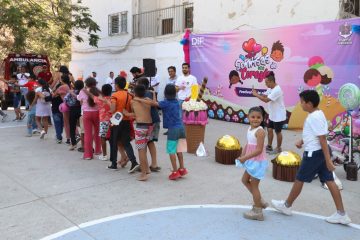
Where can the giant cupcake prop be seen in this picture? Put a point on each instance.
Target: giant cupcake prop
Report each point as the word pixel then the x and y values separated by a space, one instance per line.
pixel 195 117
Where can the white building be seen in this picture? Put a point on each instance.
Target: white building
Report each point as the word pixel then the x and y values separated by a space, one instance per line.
pixel 135 29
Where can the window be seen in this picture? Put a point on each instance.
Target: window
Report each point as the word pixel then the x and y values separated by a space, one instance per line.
pixel 118 23
pixel 350 8
pixel 189 17
pixel 167 26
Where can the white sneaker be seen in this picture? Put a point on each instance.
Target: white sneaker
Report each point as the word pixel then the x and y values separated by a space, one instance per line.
pixel 103 158
pixel 280 206
pixel 337 218
pixel 42 135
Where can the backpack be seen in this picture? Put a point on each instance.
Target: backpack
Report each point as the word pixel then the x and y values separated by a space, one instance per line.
pixel 47 98
pixel 70 100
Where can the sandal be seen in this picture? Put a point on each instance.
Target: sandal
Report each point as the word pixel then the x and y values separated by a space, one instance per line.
pixel 155 169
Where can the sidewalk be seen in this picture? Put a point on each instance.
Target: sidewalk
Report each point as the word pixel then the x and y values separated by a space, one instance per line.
pixel 45 188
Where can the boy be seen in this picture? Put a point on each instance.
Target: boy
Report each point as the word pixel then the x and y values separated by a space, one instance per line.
pixel 143 128
pixel 155 124
pixel 316 159
pixel 176 133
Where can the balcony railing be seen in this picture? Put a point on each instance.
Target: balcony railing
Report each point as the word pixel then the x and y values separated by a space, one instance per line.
pixel 163 21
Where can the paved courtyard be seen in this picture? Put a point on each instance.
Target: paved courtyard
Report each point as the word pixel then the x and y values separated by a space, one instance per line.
pixel 45 189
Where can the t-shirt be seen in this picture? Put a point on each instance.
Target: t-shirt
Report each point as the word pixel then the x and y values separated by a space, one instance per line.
pixel 172 80
pixel 153 81
pixel 85 107
pixel 104 108
pixel 122 100
pixel 63 90
pixel 186 81
pixel 30 85
pixel 276 107
pixel 23 78
pixel 154 111
pixel 45 75
pixel 111 81
pixel 171 116
pixel 315 125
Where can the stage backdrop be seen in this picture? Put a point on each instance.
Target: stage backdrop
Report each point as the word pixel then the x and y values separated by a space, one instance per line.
pixel 321 56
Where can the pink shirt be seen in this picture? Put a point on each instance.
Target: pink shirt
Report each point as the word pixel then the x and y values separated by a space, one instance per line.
pixel 83 98
pixel 63 90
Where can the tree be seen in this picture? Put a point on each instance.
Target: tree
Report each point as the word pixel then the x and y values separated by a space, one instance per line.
pixel 45 27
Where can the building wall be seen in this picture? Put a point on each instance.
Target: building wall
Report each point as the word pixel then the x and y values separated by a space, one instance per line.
pixel 121 52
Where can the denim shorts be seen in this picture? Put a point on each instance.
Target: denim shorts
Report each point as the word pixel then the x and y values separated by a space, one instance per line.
pixel 17 100
pixel 313 164
pixel 174 134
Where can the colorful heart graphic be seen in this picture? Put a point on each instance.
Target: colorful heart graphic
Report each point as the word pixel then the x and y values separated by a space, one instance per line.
pixel 256 48
pixel 248 45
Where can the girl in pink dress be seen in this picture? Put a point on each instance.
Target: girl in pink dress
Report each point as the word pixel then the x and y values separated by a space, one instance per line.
pixel 254 161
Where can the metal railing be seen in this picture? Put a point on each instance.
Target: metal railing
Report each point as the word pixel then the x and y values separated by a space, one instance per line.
pixel 163 21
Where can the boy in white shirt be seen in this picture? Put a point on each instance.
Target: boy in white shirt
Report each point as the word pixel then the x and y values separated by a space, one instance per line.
pixel 316 159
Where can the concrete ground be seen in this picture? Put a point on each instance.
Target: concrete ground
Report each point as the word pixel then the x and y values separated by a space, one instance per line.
pixel 45 188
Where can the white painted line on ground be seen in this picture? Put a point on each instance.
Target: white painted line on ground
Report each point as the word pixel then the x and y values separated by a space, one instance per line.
pixel 13 126
pixel 141 212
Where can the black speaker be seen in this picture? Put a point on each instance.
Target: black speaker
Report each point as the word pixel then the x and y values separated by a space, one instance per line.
pixel 149 67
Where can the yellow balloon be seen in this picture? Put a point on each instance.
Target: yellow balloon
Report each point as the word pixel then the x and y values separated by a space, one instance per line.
pixel 228 142
pixel 264 51
pixel 288 158
pixel 194 91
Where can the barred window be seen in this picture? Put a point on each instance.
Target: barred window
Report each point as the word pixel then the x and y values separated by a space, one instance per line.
pixel 118 23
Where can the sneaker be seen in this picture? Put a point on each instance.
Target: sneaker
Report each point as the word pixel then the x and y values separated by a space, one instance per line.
pixel 280 206
pixel 35 131
pixel 133 167
pixel 269 148
pixel 72 147
pixel 155 169
pixel 88 158
pixel 78 138
pixel 174 175
pixel 67 142
pixel 275 151
pixel 182 171
pixel 111 167
pixel 103 158
pixel 58 141
pixel 254 214
pixel 42 135
pixel 80 149
pixel 337 218
pixel 4 118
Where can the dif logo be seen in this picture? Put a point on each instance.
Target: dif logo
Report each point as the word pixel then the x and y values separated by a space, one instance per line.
pixel 197 41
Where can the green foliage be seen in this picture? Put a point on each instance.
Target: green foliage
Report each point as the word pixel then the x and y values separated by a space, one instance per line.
pixel 45 27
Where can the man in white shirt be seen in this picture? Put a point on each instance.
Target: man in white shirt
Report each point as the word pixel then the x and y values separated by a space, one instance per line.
pixel 110 80
pixel 23 77
pixel 94 75
pixel 316 160
pixel 172 75
pixel 185 82
pixel 155 82
pixel 274 98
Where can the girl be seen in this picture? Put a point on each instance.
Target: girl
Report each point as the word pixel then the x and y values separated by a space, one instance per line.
pixel 15 89
pixel 43 106
pixel 90 119
pixel 254 161
pixel 30 97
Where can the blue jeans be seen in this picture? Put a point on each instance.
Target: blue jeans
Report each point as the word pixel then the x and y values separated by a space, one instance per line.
pixel 59 124
pixel 24 91
pixel 30 122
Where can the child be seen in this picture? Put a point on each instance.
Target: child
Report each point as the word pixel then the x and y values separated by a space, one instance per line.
pixel 15 89
pixel 254 161
pixel 155 125
pixel 143 128
pixel 316 159
pixel 176 133
pixel 30 97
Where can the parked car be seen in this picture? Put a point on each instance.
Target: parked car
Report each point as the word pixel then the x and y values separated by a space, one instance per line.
pixel 12 64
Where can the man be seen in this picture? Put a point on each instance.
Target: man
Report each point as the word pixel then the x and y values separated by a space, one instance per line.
pixel 274 98
pixel 172 75
pixel 110 80
pixel 136 72
pixel 155 82
pixel 23 77
pixel 46 74
pixel 94 75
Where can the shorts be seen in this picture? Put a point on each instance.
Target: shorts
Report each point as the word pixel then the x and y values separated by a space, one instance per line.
pixel 277 126
pixel 81 124
pixel 154 137
pixel 104 128
pixel 173 137
pixel 142 135
pixel 17 100
pixel 314 163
